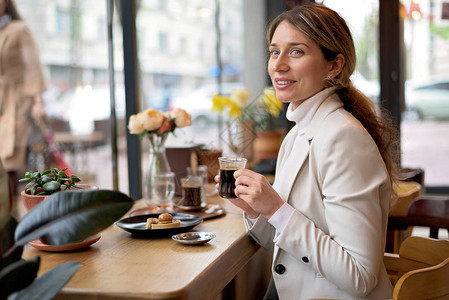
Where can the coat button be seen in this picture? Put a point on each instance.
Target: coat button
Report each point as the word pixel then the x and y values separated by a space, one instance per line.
pixel 280 269
pixel 305 259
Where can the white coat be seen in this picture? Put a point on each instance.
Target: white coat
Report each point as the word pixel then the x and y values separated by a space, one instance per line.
pixel 333 244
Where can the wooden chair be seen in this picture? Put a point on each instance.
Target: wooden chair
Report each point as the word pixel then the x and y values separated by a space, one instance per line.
pixel 430 211
pixel 412 174
pixel 427 211
pixel 406 191
pixel 420 270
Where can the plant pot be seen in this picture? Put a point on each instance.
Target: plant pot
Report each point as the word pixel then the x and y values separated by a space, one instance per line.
pixel 31 201
pixel 267 144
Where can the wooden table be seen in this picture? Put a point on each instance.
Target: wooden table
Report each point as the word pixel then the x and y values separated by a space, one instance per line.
pixel 120 266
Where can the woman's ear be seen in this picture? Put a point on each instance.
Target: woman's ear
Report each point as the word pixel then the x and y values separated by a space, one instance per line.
pixel 337 65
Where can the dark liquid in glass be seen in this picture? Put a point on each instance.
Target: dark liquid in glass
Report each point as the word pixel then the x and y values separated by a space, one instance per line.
pixel 226 186
pixel 192 196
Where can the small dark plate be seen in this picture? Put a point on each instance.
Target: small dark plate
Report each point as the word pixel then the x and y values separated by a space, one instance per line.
pixel 136 225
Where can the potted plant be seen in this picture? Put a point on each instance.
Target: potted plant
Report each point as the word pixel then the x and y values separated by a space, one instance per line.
pixel 61 219
pixel 257 134
pixel 40 185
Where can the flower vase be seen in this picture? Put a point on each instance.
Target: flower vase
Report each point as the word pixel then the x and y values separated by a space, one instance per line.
pixel 158 162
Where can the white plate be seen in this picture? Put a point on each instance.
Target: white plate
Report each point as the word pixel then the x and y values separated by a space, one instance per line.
pixel 193 238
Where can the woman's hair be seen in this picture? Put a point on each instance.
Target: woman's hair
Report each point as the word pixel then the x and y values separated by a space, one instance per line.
pixel 330 32
pixel 12 10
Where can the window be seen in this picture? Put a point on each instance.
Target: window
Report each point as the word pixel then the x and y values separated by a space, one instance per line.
pixel 163 42
pixel 425 122
pixel 63 21
pixel 74 53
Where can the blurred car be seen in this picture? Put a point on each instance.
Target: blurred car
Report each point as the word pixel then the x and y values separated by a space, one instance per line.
pixel 199 102
pixel 83 105
pixel 427 99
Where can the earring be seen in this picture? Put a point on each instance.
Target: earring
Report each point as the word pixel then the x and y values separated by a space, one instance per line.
pixel 329 76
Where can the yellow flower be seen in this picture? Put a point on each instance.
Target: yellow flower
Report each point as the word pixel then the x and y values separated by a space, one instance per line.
pixel 272 104
pixel 219 103
pixel 235 102
pixel 240 97
pixel 235 111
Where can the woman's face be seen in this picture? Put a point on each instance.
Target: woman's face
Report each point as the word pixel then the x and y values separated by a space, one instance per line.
pixel 297 66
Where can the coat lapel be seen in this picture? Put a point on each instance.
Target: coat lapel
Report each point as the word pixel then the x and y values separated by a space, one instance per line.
pixel 297 149
pixel 292 165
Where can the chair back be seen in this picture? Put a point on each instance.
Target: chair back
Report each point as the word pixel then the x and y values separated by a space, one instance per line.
pixel 406 191
pixel 426 250
pixel 430 211
pixel 427 283
pixel 420 270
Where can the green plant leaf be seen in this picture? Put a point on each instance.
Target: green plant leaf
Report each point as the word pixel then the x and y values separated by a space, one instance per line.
pixel 49 284
pixel 62 174
pixel 18 275
pixel 72 216
pixel 51 186
pixel 46 178
pixel 7 241
pixel 33 190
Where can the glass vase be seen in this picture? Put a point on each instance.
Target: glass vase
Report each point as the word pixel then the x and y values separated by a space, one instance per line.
pixel 157 163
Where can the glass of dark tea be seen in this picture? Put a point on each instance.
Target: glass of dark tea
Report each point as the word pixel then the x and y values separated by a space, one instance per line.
pixel 228 165
pixel 192 189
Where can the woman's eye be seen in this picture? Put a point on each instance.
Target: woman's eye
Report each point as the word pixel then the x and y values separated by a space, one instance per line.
pixel 274 52
pixel 296 52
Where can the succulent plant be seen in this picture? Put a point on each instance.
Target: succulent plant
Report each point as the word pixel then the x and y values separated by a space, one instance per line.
pixel 49 181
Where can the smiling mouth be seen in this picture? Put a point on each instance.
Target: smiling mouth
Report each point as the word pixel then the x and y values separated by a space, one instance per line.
pixel 284 82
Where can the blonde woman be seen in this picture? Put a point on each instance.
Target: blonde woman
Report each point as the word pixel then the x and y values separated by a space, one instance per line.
pixel 21 85
pixel 325 217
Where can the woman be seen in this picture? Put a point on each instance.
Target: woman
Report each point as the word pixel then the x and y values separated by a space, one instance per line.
pixel 325 217
pixel 21 85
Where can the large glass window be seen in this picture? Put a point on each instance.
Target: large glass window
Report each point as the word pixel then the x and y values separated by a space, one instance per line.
pixel 178 60
pixel 177 51
pixel 425 124
pixel 362 18
pixel 425 121
pixel 72 40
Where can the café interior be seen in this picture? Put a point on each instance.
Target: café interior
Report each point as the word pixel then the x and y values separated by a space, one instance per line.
pixel 106 62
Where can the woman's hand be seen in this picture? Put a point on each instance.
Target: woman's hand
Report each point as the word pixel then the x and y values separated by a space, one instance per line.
pixel 257 193
pixel 239 202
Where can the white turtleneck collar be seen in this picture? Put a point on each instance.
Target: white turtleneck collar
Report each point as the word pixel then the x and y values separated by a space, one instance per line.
pixel 304 113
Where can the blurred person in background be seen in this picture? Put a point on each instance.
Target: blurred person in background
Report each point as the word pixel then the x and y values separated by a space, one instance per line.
pixel 22 83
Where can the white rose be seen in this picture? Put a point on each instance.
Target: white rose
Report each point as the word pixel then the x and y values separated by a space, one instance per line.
pixel 135 126
pixel 182 118
pixel 151 119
